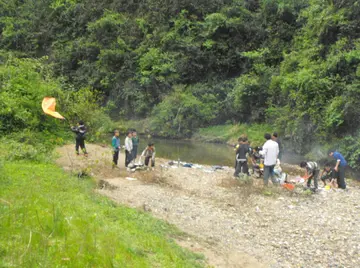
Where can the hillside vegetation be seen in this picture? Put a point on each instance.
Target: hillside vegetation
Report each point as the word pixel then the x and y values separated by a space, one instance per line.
pixel 187 64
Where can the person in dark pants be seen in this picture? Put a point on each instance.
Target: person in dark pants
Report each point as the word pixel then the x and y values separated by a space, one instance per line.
pixel 276 139
pixel 149 154
pixel 241 158
pixel 115 143
pixel 80 131
pixel 328 174
pixel 135 142
pixel 128 148
pixel 270 151
pixel 339 168
pixel 312 173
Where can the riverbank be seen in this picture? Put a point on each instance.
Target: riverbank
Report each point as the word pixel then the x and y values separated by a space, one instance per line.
pixel 230 221
pixel 226 134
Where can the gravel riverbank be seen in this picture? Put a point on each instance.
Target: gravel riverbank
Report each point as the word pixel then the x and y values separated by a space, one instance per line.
pixel 240 220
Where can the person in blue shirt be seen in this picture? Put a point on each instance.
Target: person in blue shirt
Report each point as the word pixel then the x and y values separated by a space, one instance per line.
pixel 339 168
pixel 115 143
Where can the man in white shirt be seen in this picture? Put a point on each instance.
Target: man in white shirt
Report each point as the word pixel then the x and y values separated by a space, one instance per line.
pixel 270 152
pixel 128 148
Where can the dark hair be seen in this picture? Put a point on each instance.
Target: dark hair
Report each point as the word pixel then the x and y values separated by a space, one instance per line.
pixel 128 132
pixel 150 144
pixel 267 136
pixel 327 164
pixel 116 131
pixel 331 151
pixel 81 122
pixel 275 134
pixel 303 164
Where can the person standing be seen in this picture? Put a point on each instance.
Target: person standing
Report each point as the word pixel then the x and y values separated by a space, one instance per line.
pixel 116 148
pixel 339 168
pixel 135 142
pixel 128 148
pixel 276 139
pixel 241 158
pixel 80 131
pixel 270 151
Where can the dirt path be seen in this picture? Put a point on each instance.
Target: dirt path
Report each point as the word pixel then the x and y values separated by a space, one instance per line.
pixel 235 224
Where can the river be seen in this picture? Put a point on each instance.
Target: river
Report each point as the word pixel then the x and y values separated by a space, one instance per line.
pixel 201 153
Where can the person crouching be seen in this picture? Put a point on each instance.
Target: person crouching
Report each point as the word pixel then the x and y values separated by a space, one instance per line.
pixel 149 155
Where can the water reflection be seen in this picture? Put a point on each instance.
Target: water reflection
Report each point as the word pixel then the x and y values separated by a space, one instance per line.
pixel 202 153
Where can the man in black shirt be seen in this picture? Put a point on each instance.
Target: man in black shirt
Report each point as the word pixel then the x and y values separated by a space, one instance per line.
pixel 241 158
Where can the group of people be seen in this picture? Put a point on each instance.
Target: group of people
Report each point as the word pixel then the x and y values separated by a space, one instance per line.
pixel 266 160
pixel 131 146
pixel 267 156
pixel 332 176
pixel 131 149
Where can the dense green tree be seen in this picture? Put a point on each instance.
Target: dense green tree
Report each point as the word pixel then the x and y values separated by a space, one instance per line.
pixel 293 64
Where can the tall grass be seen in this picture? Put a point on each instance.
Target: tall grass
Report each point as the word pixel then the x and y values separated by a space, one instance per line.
pixel 51 219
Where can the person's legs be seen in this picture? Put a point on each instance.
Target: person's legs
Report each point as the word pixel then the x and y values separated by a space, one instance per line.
pixel 316 176
pixel 82 146
pixel 115 158
pixel 134 152
pixel 245 168
pixel 267 173
pixel 147 159
pixel 237 169
pixel 272 174
pixel 341 178
pixel 77 145
pixel 127 158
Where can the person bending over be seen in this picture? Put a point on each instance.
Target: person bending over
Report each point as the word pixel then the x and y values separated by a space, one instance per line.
pixel 311 172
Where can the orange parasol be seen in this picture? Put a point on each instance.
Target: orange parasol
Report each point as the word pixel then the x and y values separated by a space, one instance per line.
pixel 48 106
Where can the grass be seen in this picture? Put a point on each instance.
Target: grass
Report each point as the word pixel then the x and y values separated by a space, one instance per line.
pixel 51 219
pixel 230 133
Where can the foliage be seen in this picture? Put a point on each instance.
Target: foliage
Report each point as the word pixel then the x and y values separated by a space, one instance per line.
pixel 180 112
pixel 25 82
pixel 291 64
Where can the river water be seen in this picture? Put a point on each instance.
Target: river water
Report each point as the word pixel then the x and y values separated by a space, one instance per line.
pixel 201 153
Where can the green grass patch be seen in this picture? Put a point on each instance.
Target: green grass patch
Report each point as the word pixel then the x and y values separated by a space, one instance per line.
pixel 230 133
pixel 50 219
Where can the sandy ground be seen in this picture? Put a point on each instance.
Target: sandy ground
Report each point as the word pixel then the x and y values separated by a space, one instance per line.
pixel 234 223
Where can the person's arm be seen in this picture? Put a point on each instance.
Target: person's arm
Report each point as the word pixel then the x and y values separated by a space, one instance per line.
pixel 153 155
pixel 337 165
pixel 143 153
pixel 127 145
pixel 306 176
pixel 263 152
pixel 113 143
